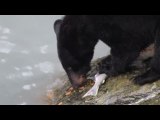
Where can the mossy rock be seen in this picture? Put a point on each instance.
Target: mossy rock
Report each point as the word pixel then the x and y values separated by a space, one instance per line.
pixel 116 91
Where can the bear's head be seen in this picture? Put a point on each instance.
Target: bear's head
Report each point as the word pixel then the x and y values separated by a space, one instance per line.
pixel 75 54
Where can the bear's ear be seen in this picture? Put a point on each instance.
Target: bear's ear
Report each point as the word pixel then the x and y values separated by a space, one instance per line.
pixel 57 26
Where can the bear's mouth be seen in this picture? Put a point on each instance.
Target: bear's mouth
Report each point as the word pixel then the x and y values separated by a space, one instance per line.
pixel 77 80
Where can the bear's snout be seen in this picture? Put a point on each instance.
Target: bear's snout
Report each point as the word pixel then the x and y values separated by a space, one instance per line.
pixel 77 80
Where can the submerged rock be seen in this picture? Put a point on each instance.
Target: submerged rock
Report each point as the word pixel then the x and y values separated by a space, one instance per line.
pixel 116 91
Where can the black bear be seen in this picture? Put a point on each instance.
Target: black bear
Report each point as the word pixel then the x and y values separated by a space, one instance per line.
pixel 127 35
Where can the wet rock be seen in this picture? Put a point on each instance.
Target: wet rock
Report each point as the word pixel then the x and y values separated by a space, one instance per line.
pixel 116 91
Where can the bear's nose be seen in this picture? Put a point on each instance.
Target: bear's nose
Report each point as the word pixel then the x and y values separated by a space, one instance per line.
pixel 78 80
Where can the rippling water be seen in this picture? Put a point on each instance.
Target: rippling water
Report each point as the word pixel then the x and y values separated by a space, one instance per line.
pixel 28 58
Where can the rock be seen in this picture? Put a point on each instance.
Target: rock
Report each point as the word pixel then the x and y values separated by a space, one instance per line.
pixel 116 91
pixel 60 103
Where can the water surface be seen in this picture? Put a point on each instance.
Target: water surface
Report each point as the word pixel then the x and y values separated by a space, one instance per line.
pixel 29 65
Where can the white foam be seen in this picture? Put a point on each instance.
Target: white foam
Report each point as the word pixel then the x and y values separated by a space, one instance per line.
pixel 28 67
pixel 19 75
pixel 17 68
pixel 3 61
pixel 3 37
pixel 27 87
pixel 6 31
pixel 11 76
pixel 23 103
pixel 45 67
pixel 6 47
pixel 24 52
pixel 58 83
pixel 34 85
pixel 27 74
pixel 44 49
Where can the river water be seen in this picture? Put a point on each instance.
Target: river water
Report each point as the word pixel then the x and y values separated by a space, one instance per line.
pixel 29 65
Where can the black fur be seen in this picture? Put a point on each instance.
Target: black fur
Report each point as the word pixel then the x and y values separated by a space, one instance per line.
pixel 127 35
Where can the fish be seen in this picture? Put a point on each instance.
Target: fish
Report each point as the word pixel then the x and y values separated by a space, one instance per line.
pixel 99 80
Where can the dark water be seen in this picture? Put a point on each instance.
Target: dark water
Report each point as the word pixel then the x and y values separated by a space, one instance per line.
pixel 29 65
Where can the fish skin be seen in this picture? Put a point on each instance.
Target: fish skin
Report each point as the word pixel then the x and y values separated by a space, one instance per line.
pixel 99 80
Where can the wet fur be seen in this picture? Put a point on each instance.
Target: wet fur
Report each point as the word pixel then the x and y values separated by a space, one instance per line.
pixel 127 35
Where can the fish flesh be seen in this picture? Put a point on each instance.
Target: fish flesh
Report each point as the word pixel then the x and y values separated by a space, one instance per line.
pixel 99 80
